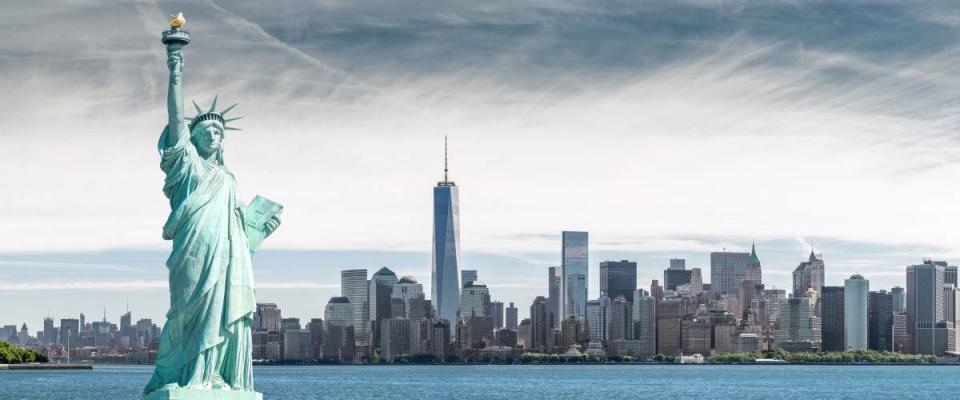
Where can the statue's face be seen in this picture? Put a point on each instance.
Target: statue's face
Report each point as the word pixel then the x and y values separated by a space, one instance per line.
pixel 208 137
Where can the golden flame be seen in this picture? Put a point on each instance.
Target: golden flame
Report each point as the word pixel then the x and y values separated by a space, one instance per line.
pixel 177 21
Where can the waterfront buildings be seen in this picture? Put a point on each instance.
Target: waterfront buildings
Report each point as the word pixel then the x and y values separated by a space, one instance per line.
pixel 574 256
pixel 539 325
pixel 855 326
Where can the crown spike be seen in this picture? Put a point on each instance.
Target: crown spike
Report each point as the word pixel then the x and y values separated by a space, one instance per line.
pixel 226 110
pixel 199 110
pixel 213 106
pixel 231 119
pixel 230 128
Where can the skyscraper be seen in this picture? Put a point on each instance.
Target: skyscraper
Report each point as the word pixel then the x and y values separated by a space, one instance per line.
pixel 645 322
pixel 474 301
pixel 727 269
pixel 554 299
pixel 353 286
pixel 445 271
pixel 899 300
pixel 406 289
pixel 380 293
pixel 808 275
pixel 512 317
pixel 496 311
pixel 880 321
pixel 574 266
pixel 620 319
pixel 924 305
pixel 618 278
pixel 831 313
pixel 539 325
pixel 855 327
pixel 598 312
pixel 754 271
pixel 467 276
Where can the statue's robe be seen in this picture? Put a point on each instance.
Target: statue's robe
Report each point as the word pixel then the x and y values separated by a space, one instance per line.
pixel 206 340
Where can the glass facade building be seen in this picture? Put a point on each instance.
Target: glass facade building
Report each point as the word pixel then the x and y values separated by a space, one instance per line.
pixel 445 270
pixel 618 278
pixel 575 274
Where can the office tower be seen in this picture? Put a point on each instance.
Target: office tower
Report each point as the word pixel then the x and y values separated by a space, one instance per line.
pixel 950 275
pixel 419 308
pixel 406 289
pixel 287 324
pixel 774 298
pixel 575 273
pixel 506 338
pixel 675 277
pixel 618 278
pixel 696 281
pixel 297 345
pixel 924 305
pixel 125 324
pixel 554 297
pixel 512 317
pixel 620 319
pixel 354 286
pixel 49 333
pixel 475 300
pixel 439 341
pixel 598 313
pixel 945 337
pixel 669 312
pixel 678 263
pixel 696 336
pixel 656 290
pixel 267 318
pixel 571 332
pixel 727 269
pixel 798 329
pixel 338 312
pixel 855 326
pixel 445 272
pixel 645 323
pixel 70 333
pixel 899 300
pixel 396 338
pixel 496 311
pixel 754 271
pixel 809 275
pixel 83 322
pixel 832 318
pixel 880 321
pixel 467 276
pixel 748 342
pixel 749 299
pixel 902 341
pixel 315 327
pixel 539 325
pixel 380 292
pixel 481 331
pixel 726 335
pixel 524 334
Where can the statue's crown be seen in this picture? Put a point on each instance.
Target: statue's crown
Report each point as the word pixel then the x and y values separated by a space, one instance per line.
pixel 213 115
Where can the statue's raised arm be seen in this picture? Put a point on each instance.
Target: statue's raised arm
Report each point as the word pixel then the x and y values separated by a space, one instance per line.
pixel 175 39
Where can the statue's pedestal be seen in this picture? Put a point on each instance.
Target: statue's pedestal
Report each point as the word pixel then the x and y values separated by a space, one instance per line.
pixel 191 394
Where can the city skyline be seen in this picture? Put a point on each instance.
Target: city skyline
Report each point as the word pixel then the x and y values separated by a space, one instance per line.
pixel 694 127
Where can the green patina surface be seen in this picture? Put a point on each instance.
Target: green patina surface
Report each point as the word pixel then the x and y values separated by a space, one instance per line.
pixel 205 346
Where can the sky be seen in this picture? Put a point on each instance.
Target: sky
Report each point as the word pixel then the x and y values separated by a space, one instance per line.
pixel 664 128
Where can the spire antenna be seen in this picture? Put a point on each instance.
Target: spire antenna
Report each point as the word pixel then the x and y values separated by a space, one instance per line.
pixel 445 180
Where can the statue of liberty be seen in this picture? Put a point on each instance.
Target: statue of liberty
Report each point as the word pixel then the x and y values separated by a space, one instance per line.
pixel 205 346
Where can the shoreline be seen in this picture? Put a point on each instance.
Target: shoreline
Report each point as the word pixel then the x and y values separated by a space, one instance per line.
pixel 45 367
